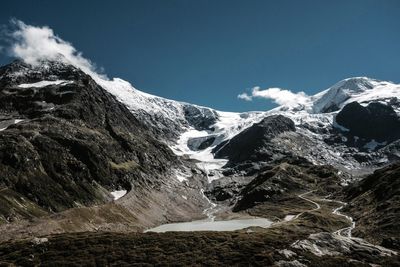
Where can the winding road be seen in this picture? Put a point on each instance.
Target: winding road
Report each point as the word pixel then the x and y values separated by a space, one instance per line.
pixel 343 234
pixel 309 200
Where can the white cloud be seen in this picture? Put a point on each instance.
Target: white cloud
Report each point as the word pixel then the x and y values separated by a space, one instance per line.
pixel 33 44
pixel 244 96
pixel 279 96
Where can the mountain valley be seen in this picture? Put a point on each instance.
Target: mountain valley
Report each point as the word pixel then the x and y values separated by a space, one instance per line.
pixel 91 163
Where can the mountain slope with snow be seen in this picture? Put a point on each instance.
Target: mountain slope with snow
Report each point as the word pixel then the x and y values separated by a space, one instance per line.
pixel 360 89
pixel 195 131
pixel 315 121
pixel 99 154
pixel 65 142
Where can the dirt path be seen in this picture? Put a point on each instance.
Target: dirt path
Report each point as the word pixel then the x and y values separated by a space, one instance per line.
pixel 309 200
pixel 342 235
pixel 346 231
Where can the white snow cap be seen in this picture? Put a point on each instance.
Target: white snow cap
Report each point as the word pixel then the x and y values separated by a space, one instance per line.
pixel 360 89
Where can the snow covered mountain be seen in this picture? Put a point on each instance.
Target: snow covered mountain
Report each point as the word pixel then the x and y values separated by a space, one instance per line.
pixel 101 154
pixel 361 89
pixel 195 131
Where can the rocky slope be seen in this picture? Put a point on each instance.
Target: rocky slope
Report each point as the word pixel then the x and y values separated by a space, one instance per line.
pixel 67 143
pixel 375 204
pixel 287 178
pixel 252 143
pixel 376 121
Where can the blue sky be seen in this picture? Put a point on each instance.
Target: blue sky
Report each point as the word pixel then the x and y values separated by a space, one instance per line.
pixel 208 52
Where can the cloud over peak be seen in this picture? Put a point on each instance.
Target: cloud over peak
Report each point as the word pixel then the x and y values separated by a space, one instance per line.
pixel 279 96
pixel 34 44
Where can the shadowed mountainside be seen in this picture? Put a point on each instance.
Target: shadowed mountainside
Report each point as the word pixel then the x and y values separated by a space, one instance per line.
pixel 73 143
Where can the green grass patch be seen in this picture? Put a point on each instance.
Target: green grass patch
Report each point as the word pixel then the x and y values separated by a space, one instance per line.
pixel 124 166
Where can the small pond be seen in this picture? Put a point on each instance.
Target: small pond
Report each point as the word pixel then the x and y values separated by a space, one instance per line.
pixel 208 225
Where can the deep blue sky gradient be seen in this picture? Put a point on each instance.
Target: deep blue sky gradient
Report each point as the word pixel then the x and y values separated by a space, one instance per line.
pixel 208 51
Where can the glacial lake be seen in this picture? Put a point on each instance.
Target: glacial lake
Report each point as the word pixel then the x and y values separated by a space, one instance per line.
pixel 208 225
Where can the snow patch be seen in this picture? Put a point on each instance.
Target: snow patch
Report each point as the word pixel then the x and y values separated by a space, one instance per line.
pixel 7 124
pixel 118 194
pixel 44 84
pixel 182 177
pixel 289 218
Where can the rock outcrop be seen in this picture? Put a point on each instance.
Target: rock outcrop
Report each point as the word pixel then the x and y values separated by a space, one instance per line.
pixel 376 121
pixel 253 144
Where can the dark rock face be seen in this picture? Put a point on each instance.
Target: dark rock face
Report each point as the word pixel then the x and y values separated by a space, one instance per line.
pixel 227 188
pixel 375 121
pixel 200 118
pixel 18 72
pixel 375 204
pixel 200 143
pixel 252 143
pixel 76 141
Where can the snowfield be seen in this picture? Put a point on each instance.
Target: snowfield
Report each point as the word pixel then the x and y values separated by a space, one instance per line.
pixel 118 194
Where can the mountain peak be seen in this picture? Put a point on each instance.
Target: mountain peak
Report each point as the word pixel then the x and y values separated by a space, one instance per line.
pixel 19 72
pixel 356 84
pixel 344 91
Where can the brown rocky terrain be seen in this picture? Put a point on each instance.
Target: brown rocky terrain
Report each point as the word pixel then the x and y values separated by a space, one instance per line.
pixel 375 205
pixel 74 143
